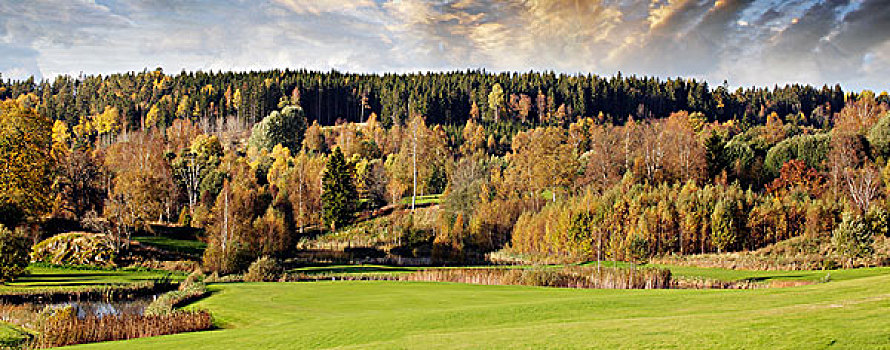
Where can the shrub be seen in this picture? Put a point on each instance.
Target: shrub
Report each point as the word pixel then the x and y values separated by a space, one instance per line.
pixel 264 269
pixel 75 248
pixel 190 289
pixel 14 248
pixel 234 259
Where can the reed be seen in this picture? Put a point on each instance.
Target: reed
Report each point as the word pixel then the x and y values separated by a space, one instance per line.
pixel 563 277
pixel 65 329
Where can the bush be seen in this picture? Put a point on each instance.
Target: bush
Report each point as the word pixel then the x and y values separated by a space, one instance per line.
pixel 192 288
pixel 14 248
pixel 234 259
pixel 75 248
pixel 264 269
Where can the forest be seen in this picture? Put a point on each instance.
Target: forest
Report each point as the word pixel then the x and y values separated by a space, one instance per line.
pixel 530 166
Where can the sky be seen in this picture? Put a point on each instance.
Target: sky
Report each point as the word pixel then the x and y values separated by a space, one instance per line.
pixel 745 42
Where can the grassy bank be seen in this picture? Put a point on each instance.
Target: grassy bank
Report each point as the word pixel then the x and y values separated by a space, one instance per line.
pixel 72 278
pixel 850 313
pixel 768 276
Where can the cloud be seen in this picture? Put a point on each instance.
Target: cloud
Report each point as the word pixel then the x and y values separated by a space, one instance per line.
pixel 318 7
pixel 748 42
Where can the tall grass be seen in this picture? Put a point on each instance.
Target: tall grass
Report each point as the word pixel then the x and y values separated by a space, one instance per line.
pixel 564 277
pixel 67 330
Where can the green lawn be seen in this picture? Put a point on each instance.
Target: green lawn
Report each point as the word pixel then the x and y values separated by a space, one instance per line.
pixel 39 277
pixel 185 246
pixel 422 200
pixel 851 313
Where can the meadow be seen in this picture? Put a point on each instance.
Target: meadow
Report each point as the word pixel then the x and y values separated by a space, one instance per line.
pixel 848 312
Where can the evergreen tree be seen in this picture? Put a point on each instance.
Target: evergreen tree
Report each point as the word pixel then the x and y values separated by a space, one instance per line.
pixel 714 156
pixel 339 197
pixel 14 258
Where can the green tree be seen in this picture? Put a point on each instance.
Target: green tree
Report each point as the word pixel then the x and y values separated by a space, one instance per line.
pixel 724 226
pixel 714 156
pixel 14 258
pixel 879 137
pixel 285 128
pixel 852 238
pixel 339 198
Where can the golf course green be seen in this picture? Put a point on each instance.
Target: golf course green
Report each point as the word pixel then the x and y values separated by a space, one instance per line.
pixel 849 312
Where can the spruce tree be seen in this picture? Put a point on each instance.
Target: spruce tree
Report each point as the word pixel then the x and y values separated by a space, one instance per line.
pixel 339 199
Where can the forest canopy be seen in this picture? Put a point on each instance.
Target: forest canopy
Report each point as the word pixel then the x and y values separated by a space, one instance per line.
pixel 535 165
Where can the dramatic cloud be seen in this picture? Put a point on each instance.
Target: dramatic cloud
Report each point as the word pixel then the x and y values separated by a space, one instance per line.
pixel 747 42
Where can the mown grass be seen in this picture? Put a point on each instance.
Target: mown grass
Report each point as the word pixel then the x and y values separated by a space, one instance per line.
pixel 184 246
pixel 45 277
pixel 850 314
pixel 424 200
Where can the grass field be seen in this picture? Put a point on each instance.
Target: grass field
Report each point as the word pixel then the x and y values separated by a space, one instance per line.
pixel 72 278
pixel 185 246
pixel 850 313
pixel 422 200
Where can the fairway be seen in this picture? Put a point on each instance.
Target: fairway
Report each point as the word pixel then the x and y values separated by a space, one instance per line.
pixel 849 314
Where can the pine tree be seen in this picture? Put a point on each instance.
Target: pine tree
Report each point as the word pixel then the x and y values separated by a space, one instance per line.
pixel 339 197
pixel 714 157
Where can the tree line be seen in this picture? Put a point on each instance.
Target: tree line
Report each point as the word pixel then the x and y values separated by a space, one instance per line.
pixel 535 164
pixel 450 98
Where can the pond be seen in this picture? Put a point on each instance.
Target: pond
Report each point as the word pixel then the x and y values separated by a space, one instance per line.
pixel 26 314
pixel 105 308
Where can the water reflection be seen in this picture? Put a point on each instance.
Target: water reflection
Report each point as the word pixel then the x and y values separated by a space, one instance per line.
pixel 26 314
pixel 103 308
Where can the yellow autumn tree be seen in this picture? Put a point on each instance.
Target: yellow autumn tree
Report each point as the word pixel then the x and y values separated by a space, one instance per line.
pixel 25 148
pixel 60 138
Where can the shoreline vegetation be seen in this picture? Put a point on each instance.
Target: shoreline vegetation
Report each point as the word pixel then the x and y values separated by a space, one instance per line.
pixel 62 325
